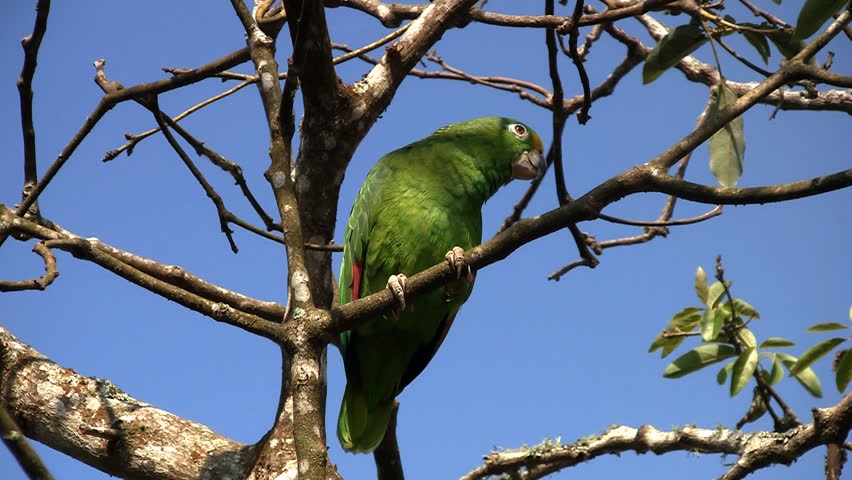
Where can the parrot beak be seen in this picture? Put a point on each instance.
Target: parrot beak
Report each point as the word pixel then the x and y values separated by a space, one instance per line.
pixel 531 164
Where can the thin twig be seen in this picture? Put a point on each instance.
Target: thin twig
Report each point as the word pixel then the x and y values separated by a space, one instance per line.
pixel 742 59
pixel 686 221
pixel 765 389
pixel 20 447
pixel 372 45
pixel 583 114
pixel 221 312
pixel 762 13
pixel 31 44
pixel 135 139
pixel 121 95
pixel 50 273
pixel 208 189
pixel 169 274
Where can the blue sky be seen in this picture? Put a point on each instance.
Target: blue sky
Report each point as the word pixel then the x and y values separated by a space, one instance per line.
pixel 527 358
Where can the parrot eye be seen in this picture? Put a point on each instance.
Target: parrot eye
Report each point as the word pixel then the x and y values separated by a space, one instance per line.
pixel 519 130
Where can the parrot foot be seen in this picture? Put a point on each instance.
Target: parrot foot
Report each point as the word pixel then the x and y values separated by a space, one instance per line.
pixel 396 284
pixel 455 258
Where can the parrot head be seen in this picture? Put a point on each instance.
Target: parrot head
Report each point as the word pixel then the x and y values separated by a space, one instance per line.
pixel 512 149
pixel 530 162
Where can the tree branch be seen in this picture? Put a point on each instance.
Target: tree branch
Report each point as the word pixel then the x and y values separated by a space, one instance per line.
pixel 392 14
pixel 95 422
pixel 31 44
pixel 755 450
pixel 50 273
pixel 642 178
pixel 154 277
pixel 110 100
pixel 20 447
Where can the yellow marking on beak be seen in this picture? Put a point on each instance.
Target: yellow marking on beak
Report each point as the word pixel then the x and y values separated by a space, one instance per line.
pixel 537 142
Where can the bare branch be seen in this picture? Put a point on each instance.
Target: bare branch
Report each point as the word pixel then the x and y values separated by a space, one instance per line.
pixel 671 223
pixel 20 447
pixel 573 36
pixel 755 450
pixel 133 140
pixel 386 455
pixel 50 273
pixel 31 44
pixel 221 312
pixel 208 189
pixel 745 196
pixel 169 274
pixel 696 71
pixel 110 100
pixel 392 14
pixel 644 178
pixel 106 428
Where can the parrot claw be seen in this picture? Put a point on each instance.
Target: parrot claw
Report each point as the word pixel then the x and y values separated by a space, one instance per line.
pixel 455 258
pixel 396 284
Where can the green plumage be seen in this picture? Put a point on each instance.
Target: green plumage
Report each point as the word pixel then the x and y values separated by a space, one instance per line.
pixel 416 204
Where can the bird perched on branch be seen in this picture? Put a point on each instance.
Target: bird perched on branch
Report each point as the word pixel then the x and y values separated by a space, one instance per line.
pixel 419 204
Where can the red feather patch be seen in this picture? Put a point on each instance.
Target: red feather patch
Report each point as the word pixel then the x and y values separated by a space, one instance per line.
pixel 356 281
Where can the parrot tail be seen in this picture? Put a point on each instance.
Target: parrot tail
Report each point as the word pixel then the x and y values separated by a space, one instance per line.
pixel 359 428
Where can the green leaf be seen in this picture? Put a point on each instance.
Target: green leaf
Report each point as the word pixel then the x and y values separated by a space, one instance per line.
pixel 711 324
pixel 813 15
pixel 697 359
pixel 826 327
pixel 727 146
pixel 777 373
pixel 668 344
pixel 686 319
pixel 671 345
pixel 744 309
pixel 807 378
pixel 658 342
pixel 746 338
pixel 844 371
pixel 714 294
pixel 756 410
pixel 679 43
pixel 776 342
pixel 723 373
pixel 701 285
pixel 814 353
pixel 743 370
pixel 758 41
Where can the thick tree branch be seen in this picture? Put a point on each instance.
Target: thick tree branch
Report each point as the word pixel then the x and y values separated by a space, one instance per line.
pixel 392 14
pixel 755 450
pixel 95 422
pixel 303 352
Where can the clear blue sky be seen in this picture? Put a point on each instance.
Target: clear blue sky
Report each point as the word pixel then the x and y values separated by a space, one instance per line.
pixel 527 358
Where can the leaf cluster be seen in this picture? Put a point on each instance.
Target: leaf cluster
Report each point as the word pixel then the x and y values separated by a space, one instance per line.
pixel 727 146
pixel 722 323
pixel 685 39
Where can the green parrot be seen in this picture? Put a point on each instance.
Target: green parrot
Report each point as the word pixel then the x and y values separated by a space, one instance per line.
pixel 417 203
